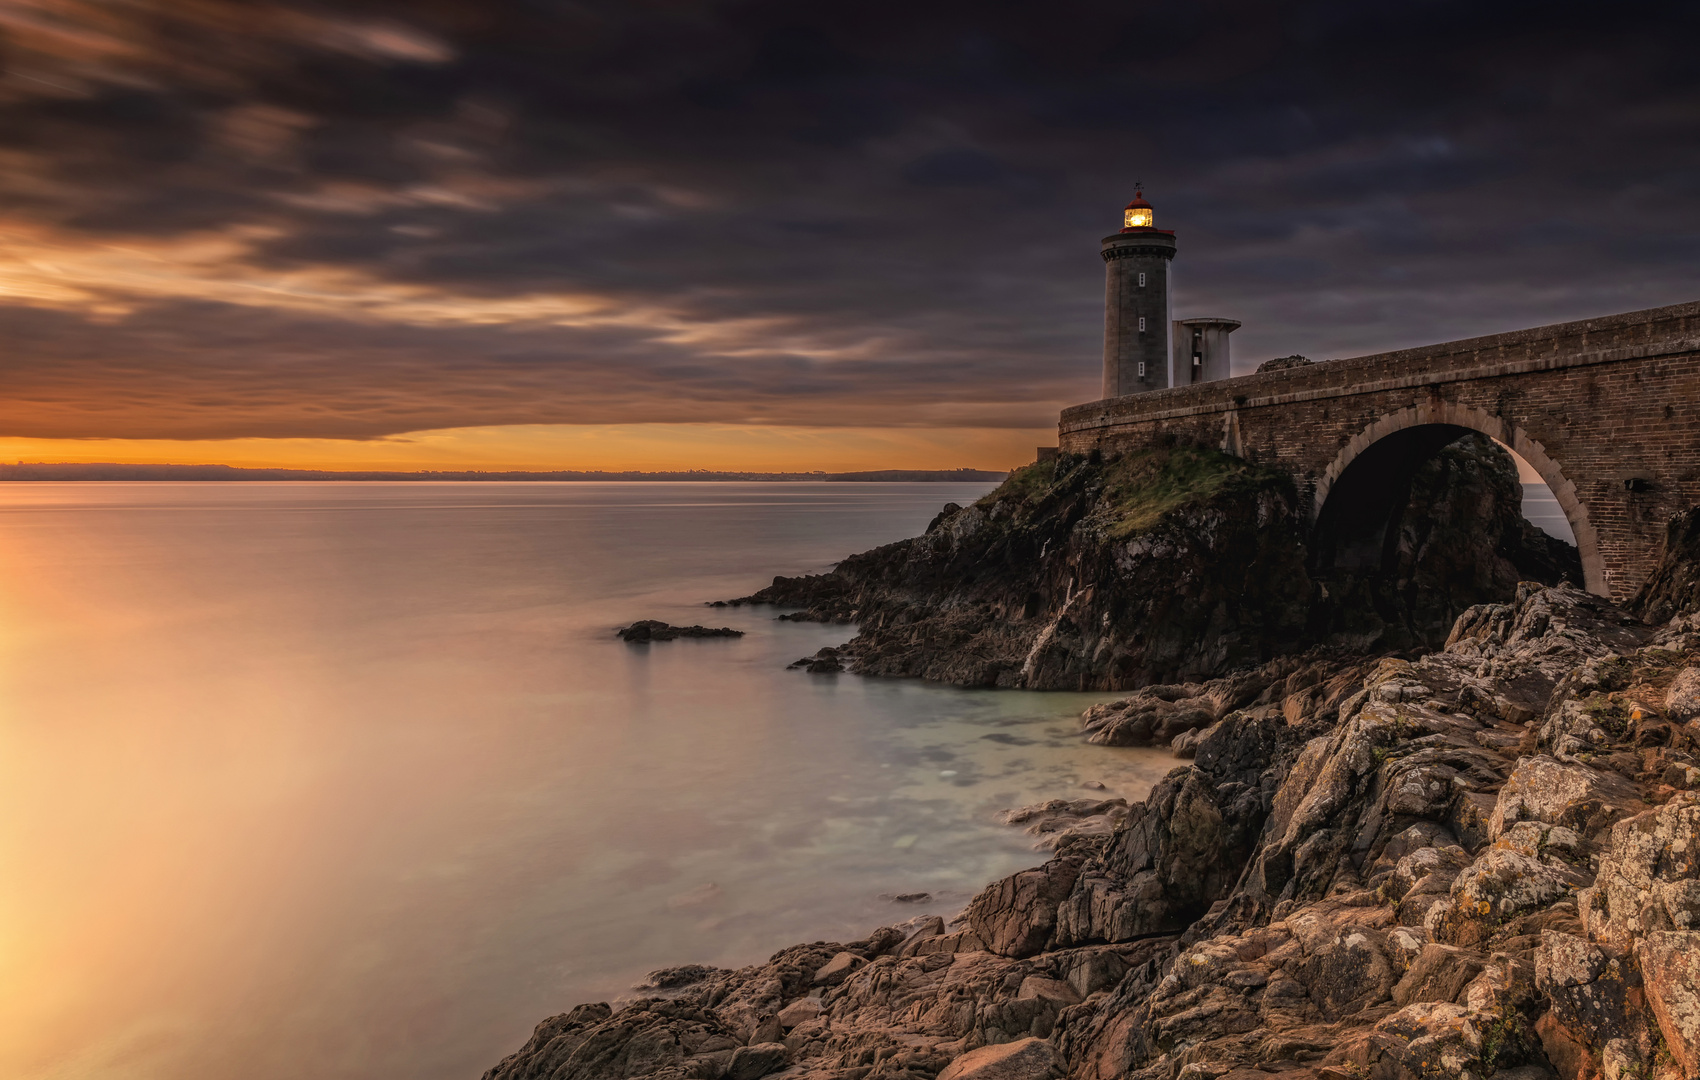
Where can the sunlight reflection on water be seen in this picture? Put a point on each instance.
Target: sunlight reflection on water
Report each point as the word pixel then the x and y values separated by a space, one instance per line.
pixel 352 780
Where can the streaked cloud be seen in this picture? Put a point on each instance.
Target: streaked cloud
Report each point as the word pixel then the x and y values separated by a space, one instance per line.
pixel 299 221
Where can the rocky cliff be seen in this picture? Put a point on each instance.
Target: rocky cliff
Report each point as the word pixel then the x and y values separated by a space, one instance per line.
pixel 1483 862
pixel 1169 565
pixel 1674 587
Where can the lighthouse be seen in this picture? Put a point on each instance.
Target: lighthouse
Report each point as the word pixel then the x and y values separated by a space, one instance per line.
pixel 1144 347
pixel 1136 302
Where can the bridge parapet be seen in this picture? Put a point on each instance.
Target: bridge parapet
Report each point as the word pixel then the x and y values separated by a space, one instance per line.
pixel 1606 409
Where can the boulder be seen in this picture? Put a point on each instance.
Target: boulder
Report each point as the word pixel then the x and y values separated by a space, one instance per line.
pixel 1443 863
pixel 755 1061
pixel 838 969
pixel 1545 790
pixel 1037 986
pixel 800 1011
pixel 1682 697
pixel 926 930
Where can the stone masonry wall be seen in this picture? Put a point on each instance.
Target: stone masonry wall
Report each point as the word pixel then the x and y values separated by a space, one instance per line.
pixel 1592 405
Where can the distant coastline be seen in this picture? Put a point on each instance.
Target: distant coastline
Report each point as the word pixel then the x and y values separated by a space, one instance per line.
pixel 215 473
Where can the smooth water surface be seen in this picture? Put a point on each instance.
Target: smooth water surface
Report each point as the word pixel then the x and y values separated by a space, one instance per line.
pixel 353 780
pixel 1540 506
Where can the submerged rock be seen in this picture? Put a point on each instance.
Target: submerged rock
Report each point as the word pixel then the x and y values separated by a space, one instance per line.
pixel 646 630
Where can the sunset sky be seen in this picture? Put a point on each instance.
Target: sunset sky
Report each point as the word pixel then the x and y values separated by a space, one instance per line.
pixel 773 235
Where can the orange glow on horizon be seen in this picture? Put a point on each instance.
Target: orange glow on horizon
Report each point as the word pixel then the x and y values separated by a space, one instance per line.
pixel 611 448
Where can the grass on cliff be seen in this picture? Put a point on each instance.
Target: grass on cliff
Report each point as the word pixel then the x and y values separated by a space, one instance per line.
pixel 1136 491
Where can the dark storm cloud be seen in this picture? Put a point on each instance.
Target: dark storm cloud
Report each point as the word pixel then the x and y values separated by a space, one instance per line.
pixel 361 218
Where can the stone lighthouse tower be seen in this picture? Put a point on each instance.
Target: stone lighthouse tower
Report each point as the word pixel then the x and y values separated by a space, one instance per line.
pixel 1136 303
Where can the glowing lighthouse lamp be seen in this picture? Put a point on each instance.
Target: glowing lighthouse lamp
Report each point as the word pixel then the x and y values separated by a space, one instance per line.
pixel 1138 213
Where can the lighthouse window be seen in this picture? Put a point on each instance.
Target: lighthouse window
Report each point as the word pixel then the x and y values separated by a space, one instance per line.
pixel 1142 324
pixel 1142 281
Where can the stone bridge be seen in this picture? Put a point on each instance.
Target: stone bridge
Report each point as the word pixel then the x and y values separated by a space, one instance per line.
pixel 1606 410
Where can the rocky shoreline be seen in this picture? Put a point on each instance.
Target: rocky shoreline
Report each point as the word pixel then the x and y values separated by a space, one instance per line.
pixel 1479 861
pixel 1165 566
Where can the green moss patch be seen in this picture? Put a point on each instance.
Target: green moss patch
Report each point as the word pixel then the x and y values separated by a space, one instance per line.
pixel 1135 492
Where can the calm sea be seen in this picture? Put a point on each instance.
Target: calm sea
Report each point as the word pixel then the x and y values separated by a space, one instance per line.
pixel 1541 507
pixel 353 780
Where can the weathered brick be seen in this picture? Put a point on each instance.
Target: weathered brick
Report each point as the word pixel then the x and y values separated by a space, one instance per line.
pixel 1590 404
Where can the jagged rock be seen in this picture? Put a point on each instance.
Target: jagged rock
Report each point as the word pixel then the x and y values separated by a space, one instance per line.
pixel 1308 685
pixel 928 929
pixel 964 940
pixel 643 1039
pixel 1024 1059
pixel 1181 850
pixel 1057 821
pixel 1412 870
pixel 1673 588
pixel 1095 969
pixel 1015 916
pixel 1195 558
pixel 1370 868
pixel 1499 886
pixel 1345 968
pixel 1649 880
pixel 1439 973
pixel 1590 989
pixel 551 1044
pixel 1165 565
pixel 826 661
pixel 837 969
pixel 1440 1040
pixel 1430 873
pixel 675 977
pixel 1670 968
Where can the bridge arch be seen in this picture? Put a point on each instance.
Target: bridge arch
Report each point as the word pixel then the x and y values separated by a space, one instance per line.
pixel 1447 419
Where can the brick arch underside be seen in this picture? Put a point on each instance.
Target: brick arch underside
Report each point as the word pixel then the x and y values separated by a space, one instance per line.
pixel 1455 415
